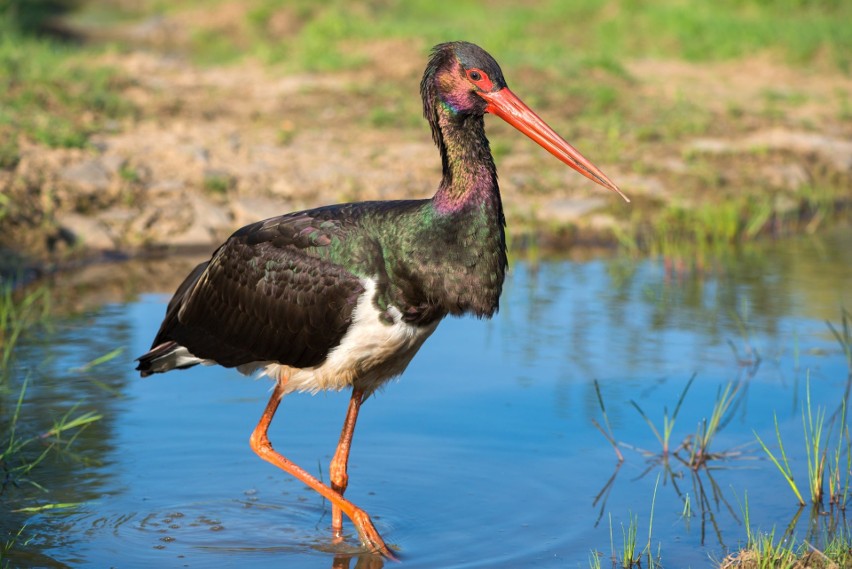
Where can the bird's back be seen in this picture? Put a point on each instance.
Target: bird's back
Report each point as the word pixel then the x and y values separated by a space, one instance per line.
pixel 285 290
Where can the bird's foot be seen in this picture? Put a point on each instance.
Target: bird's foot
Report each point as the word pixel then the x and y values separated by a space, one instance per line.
pixel 370 537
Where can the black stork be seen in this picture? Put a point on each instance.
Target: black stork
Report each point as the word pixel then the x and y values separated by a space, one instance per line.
pixel 344 295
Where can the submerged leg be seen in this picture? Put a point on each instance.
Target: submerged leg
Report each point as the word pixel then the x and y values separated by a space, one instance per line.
pixel 261 445
pixel 337 471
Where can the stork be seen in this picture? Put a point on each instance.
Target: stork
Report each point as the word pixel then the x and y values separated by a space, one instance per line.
pixel 343 296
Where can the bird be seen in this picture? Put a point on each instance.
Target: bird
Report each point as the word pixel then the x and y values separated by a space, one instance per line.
pixel 343 296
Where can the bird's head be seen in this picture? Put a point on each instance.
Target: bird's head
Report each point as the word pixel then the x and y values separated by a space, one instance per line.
pixel 458 73
pixel 462 79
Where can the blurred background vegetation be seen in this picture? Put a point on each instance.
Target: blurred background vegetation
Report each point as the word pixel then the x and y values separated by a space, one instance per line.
pixel 573 58
pixel 311 35
pixel 32 16
pixel 544 32
pixel 306 35
pixel 62 83
pixel 47 93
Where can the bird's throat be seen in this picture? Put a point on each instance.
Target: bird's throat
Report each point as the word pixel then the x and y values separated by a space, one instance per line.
pixel 469 175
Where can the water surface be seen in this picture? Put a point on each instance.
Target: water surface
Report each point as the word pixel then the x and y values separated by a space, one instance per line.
pixel 484 454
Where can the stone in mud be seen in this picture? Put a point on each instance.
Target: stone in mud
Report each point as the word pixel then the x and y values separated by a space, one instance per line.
pixel 192 220
pixel 85 231
pixel 88 177
pixel 837 152
pixel 88 186
pixel 834 151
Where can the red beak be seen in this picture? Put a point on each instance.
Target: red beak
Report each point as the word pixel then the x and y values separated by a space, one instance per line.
pixel 511 109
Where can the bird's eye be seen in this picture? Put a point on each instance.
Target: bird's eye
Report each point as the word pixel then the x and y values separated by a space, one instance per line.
pixel 480 78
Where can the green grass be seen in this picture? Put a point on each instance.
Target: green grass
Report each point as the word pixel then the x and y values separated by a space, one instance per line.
pixel 49 94
pixel 16 454
pixel 31 16
pixel 699 444
pixel 816 450
pixel 840 465
pixel 839 549
pixel 763 550
pixel 12 541
pixel 781 462
pixel 23 448
pixel 818 429
pixel 698 235
pixel 629 534
pixel 21 453
pixel 217 183
pixel 17 313
pixel 630 556
pixel 22 313
pixel 320 36
pixel 694 449
pixel 664 438
pixel 767 552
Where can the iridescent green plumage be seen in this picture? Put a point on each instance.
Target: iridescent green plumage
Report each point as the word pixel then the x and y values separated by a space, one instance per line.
pixel 345 295
pixel 284 289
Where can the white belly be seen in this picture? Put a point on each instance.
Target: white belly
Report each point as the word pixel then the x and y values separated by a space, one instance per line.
pixel 370 353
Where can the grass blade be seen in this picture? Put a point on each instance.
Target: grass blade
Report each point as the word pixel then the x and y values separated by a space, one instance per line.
pixel 785 468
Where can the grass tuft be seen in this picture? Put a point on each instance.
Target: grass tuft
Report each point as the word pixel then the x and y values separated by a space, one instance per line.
pixel 813 424
pixel 817 432
pixel 763 550
pixel 783 464
pixel 13 541
pixel 15 455
pixel 629 556
pixel 840 467
pixel 17 313
pixel 668 422
pixel 699 444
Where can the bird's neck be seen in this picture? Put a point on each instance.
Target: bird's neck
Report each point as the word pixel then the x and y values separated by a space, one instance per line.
pixel 469 175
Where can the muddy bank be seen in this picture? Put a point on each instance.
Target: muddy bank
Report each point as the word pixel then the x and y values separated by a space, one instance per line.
pixel 211 149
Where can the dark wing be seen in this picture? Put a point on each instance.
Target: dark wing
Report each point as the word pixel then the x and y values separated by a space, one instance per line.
pixel 265 295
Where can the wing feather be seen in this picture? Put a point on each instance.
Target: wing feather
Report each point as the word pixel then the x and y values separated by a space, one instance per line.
pixel 266 295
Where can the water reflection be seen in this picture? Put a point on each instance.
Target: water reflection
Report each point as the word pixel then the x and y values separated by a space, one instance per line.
pixel 361 562
pixel 484 454
pixel 643 306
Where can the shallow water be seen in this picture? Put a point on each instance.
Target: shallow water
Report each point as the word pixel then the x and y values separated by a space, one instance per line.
pixel 484 454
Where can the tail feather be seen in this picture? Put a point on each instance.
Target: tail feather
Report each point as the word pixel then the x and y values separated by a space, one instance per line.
pixel 165 357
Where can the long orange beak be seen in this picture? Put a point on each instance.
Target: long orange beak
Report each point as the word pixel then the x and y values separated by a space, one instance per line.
pixel 511 109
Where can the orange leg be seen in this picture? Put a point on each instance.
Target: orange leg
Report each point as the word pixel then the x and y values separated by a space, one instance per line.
pixel 261 445
pixel 337 471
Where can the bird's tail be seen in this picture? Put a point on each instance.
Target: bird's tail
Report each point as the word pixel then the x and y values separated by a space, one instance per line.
pixel 164 357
